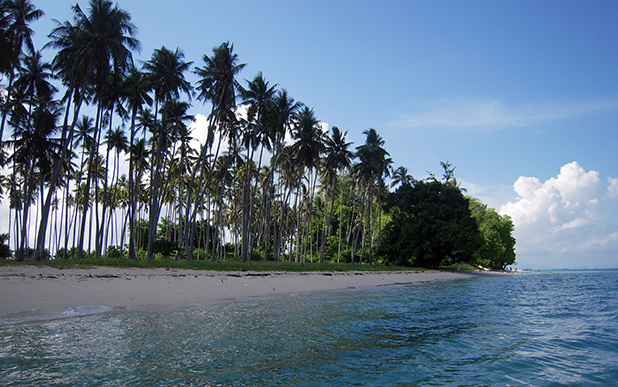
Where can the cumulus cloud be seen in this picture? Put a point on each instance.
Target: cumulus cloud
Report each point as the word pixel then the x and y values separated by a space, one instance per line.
pixel 559 200
pixel 571 213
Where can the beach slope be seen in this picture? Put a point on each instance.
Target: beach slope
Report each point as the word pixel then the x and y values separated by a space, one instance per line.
pixel 29 288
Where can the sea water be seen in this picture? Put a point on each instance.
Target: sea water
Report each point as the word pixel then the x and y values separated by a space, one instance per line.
pixel 533 329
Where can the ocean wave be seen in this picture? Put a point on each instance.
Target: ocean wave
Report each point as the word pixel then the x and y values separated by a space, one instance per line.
pixel 37 315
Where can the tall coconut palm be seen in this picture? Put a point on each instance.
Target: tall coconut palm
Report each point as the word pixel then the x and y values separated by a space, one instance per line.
pixel 258 96
pixel 338 157
pixel 217 85
pixel 282 117
pixel 34 151
pixel 372 166
pixel 33 117
pixel 117 141
pixel 90 49
pixel 134 92
pixel 34 78
pixel 16 16
pixel 178 119
pixel 307 148
pixel 400 176
pixel 165 77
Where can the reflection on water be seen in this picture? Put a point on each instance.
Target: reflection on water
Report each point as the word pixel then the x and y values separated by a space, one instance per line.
pixel 533 329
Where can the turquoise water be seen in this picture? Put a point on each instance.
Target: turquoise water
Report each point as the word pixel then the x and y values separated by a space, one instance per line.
pixel 545 329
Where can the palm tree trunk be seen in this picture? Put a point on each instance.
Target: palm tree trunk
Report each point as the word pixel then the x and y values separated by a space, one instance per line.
pixel 155 206
pixel 340 225
pixel 360 227
pixel 66 139
pixel 102 239
pixel 132 196
pixel 327 224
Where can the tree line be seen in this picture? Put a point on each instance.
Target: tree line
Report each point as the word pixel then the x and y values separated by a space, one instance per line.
pixel 268 182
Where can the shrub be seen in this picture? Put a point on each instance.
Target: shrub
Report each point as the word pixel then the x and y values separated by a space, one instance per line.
pixel 113 252
pixel 5 250
pixel 166 247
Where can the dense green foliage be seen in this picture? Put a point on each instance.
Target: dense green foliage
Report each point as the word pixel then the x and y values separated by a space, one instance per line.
pixel 5 250
pixel 267 182
pixel 497 249
pixel 431 225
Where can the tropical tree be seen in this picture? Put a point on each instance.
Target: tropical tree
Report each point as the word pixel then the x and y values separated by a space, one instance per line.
pixel 258 96
pixel 217 84
pixel 165 77
pixel 400 176
pixel 34 150
pixel 117 141
pixel 431 225
pixel 134 92
pixel 16 16
pixel 497 249
pixel 307 149
pixel 338 158
pixel 97 44
pixel 373 165
pixel 281 119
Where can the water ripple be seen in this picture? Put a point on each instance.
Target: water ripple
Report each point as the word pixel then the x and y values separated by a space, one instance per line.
pixel 530 330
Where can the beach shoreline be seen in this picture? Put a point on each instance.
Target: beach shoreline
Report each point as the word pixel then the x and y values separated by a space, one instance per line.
pixel 25 288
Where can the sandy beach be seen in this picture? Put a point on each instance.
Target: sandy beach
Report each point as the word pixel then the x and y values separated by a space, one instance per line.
pixel 29 288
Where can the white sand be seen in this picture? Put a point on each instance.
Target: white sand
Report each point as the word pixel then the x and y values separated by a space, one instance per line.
pixel 28 288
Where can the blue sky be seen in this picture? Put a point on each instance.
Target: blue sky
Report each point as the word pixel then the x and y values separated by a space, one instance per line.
pixel 516 94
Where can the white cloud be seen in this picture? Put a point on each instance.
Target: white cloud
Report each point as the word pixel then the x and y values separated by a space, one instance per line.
pixel 199 132
pixel 613 187
pixel 571 213
pixel 557 201
pixel 602 240
pixel 459 113
pixel 488 114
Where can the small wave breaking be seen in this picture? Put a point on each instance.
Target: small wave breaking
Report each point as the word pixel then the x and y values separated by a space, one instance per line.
pixel 37 315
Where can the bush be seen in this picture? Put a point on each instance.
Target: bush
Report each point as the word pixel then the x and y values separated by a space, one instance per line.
pixel 5 250
pixel 70 254
pixel 113 252
pixel 199 253
pixel 166 247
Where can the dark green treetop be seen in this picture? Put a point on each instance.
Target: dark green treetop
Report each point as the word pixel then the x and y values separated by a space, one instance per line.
pixel 497 249
pixel 431 225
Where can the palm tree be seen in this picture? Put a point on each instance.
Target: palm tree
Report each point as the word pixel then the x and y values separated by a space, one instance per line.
pixel 217 85
pixel 259 97
pixel 307 148
pixel 165 77
pixel 180 135
pixel 16 17
pixel 97 44
pixel 33 117
pixel 281 116
pixel 135 94
pixel 117 141
pixel 34 152
pixel 400 176
pixel 337 158
pixel 34 78
pixel 373 165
